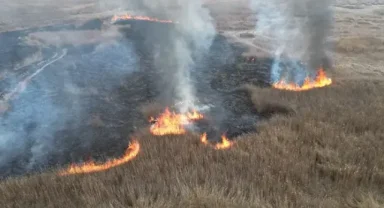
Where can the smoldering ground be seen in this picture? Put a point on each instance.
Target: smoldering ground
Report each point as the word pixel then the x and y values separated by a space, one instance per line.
pixel 87 99
pixel 56 93
pixel 35 121
pixel 86 102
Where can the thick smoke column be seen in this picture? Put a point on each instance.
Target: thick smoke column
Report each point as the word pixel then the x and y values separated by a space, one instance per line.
pixel 195 33
pixel 318 25
pixel 191 36
pixel 299 29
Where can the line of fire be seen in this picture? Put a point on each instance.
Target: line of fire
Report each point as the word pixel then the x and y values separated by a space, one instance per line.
pixel 176 123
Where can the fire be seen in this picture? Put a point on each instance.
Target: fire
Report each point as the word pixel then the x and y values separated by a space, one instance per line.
pixel 204 139
pixel 225 142
pixel 194 116
pixel 321 80
pixel 173 123
pixel 116 18
pixel 89 167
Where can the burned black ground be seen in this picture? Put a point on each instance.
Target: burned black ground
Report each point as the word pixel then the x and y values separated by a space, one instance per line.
pixel 108 88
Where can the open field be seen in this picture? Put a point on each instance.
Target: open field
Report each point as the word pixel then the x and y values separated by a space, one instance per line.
pixel 319 148
pixel 327 154
pixel 357 37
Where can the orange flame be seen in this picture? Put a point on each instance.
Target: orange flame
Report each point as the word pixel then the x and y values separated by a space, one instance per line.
pixel 204 139
pixel 173 123
pixel 89 167
pixel 321 80
pixel 116 18
pixel 225 142
pixel 194 116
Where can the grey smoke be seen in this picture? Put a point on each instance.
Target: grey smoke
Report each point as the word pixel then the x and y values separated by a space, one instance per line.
pixel 190 39
pixel 300 29
pixel 31 109
pixel 29 118
pixel 50 97
pixel 193 35
pixel 318 28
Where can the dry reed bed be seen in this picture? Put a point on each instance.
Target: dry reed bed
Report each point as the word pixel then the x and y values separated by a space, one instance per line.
pixel 327 152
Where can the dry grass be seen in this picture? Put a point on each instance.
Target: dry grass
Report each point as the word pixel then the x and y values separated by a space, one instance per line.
pixel 327 154
pixel 359 45
pixel 321 148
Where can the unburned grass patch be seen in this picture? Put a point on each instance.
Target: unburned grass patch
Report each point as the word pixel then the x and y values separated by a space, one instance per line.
pixel 359 45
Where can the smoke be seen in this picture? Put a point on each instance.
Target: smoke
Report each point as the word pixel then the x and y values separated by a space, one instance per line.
pixel 318 27
pixel 53 79
pixel 299 29
pixel 29 118
pixel 185 44
pixel 190 40
pixel 50 86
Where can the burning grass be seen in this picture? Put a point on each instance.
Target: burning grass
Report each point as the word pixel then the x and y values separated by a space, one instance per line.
pixel 117 18
pixel 327 154
pixel 225 143
pixel 321 80
pixel 171 123
pixel 90 167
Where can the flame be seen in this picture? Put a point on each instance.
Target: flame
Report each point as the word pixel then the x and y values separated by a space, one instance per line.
pixel 89 167
pixel 225 142
pixel 173 123
pixel 116 18
pixel 204 139
pixel 321 80
pixel 168 123
pixel 194 116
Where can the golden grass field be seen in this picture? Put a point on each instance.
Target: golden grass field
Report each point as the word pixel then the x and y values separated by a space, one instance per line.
pixel 328 152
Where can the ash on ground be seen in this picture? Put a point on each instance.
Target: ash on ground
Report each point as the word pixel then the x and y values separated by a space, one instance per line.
pixel 86 104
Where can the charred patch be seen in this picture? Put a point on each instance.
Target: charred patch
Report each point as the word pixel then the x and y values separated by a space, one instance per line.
pixel 98 92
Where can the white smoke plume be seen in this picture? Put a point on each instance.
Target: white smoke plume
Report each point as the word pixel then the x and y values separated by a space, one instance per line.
pixel 54 95
pixel 191 37
pixel 299 29
pixel 41 95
